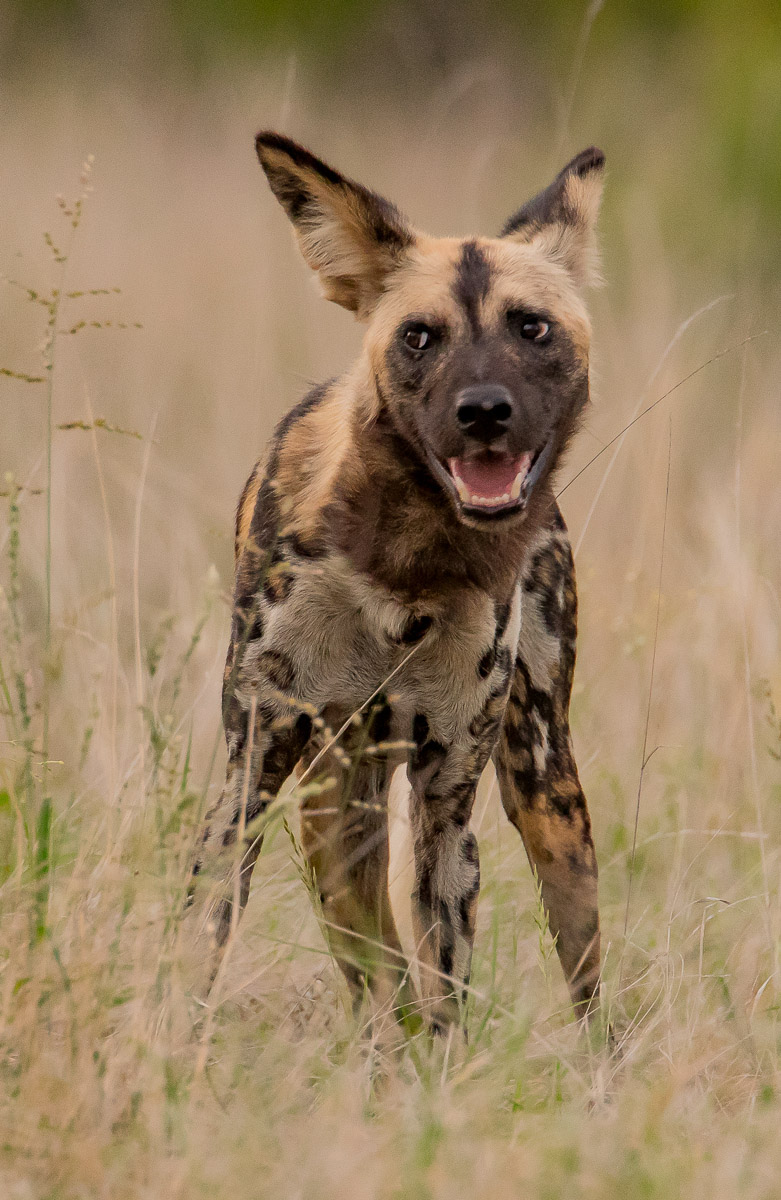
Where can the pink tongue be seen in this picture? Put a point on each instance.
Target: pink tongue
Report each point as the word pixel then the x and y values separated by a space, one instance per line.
pixel 488 477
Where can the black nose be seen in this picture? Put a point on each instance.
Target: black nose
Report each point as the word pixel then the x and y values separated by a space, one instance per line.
pixel 484 411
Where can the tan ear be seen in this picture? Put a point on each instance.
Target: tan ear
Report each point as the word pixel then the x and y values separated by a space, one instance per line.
pixel 350 236
pixel 562 219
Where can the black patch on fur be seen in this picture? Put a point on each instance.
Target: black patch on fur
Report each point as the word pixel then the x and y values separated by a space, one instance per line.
pixel 446 939
pixel 502 615
pixel 486 664
pixel 495 654
pixel 247 624
pixel 311 549
pixel 414 630
pixel 279 578
pixel 264 525
pixel 461 800
pixel 428 754
pixel 380 724
pixel 303 727
pixel 473 277
pixel 234 718
pixel 420 729
pixel 278 669
pixel 535 697
pixel 527 784
pixel 423 891
pixel 469 849
pixel 564 806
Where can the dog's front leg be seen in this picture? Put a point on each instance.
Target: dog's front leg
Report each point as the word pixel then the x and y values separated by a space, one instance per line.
pixel 447 874
pixel 535 766
pixel 344 831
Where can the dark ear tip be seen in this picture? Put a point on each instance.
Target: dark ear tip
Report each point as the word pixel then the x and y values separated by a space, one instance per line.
pixel 267 139
pixel 592 159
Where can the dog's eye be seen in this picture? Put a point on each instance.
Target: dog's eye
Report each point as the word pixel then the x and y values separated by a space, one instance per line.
pixel 419 337
pixel 529 326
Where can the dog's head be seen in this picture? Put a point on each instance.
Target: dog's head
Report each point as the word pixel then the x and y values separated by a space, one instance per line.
pixel 478 347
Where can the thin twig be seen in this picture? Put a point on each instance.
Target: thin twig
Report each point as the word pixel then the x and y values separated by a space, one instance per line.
pixel 750 732
pixel 355 714
pixel 650 407
pixel 645 757
pixel 137 587
pixel 112 577
pixel 580 53
pixel 680 331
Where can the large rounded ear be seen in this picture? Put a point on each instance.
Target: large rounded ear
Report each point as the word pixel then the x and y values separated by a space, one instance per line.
pixel 352 237
pixel 562 219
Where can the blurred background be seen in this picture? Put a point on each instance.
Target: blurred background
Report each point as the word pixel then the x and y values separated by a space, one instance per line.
pixel 458 112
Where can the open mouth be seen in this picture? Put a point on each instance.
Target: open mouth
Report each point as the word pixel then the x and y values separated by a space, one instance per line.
pixel 495 485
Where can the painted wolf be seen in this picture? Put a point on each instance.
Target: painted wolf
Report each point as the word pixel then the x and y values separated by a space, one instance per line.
pixel 404 580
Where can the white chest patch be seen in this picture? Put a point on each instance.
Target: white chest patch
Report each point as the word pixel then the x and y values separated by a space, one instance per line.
pixel 344 636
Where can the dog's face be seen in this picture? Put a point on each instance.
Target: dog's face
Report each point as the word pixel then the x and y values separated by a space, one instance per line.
pixel 477 348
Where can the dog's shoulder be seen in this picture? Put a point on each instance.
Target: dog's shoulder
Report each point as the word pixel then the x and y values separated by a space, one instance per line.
pixel 290 460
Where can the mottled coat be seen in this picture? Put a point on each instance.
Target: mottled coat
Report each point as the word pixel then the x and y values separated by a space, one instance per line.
pixel 399 551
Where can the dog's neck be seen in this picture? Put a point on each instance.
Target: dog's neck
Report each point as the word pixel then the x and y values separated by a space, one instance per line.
pixel 394 523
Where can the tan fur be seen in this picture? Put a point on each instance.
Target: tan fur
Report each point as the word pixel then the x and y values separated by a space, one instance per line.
pixel 312 455
pixel 364 572
pixel 571 243
pixel 246 508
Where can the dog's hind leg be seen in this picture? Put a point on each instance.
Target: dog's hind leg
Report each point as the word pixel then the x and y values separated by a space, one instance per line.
pixel 535 765
pixel 266 733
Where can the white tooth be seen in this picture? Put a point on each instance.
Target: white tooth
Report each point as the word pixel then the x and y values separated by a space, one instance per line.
pixel 490 501
pixel 515 490
pixel 462 489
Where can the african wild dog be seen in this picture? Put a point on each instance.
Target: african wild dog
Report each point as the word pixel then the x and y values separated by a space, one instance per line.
pixel 408 506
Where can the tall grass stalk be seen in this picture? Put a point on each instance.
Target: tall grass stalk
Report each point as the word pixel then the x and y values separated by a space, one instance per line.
pixel 645 757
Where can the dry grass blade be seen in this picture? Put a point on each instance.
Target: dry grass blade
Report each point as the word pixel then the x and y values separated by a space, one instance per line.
pixel 333 741
pixel 645 757
pixel 651 407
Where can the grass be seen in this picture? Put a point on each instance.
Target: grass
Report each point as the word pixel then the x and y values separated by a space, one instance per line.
pixel 111 744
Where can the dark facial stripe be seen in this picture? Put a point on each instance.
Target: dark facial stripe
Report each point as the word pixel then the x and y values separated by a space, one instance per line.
pixel 473 276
